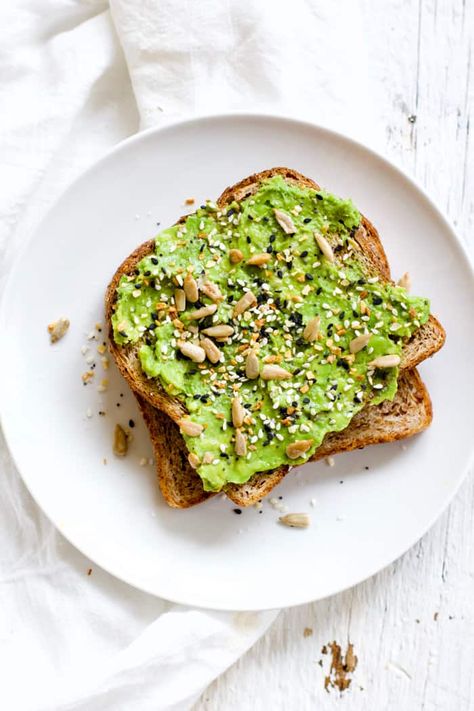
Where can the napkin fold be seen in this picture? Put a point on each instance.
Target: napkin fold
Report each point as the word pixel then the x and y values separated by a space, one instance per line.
pixel 76 78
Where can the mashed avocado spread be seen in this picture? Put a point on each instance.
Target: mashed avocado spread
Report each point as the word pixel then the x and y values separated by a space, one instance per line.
pixel 267 322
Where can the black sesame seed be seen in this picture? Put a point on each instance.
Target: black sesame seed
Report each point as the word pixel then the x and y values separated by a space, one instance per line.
pixel 230 212
pixel 237 511
pixel 154 260
pixel 147 273
pixel 152 326
pixel 342 364
pixel 269 249
pixel 319 197
pixel 319 290
pixel 272 238
pixel 376 300
pixel 280 274
pixel 306 400
pixel 341 315
pixel 250 218
pixel 304 254
pixel 138 286
pixel 306 220
pixel 248 239
pixel 230 298
pixel 131 423
pixel 309 277
pixel 196 396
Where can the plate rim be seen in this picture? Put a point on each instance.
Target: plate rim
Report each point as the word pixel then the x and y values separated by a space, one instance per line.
pixel 171 124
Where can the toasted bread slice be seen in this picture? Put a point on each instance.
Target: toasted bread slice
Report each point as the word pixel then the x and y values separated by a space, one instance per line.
pixel 181 486
pixel 407 414
pixel 425 342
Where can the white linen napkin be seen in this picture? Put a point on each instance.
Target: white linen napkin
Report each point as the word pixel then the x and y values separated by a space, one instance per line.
pixel 71 641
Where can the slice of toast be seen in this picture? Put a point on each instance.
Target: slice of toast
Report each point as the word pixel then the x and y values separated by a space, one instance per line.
pixel 407 414
pixel 181 489
pixel 426 341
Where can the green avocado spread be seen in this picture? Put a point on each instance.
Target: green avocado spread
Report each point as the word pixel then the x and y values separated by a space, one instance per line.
pixel 268 323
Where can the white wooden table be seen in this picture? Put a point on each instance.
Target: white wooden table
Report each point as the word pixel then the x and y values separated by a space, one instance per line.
pixel 412 625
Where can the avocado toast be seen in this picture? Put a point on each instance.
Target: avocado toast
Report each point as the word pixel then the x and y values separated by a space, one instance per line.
pixel 263 325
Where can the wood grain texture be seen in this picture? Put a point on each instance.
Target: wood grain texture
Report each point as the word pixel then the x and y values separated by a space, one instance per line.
pixel 412 625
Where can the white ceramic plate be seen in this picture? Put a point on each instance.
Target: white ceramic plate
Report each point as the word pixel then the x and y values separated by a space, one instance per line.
pixel 209 556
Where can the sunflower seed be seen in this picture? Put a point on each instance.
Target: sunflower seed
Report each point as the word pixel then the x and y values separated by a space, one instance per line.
pixel 405 281
pixel 179 299
pixel 357 344
pixel 191 288
pixel 240 444
pixel 120 445
pixel 238 412
pixel 386 361
pixel 311 330
pixel 190 350
pixel 252 366
pixel 295 520
pixel 203 312
pixel 219 331
pixel 235 256
pixel 274 372
pixel 298 448
pixel 190 428
pixel 324 246
pixel 245 302
pixel 194 460
pixel 285 221
pixel 258 260
pixel 212 351
pixel 211 290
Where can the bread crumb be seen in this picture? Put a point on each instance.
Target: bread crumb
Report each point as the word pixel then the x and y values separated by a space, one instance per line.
pixel 84 349
pixel 341 667
pixel 307 632
pixel 58 329
pixel 189 201
pixel 143 462
pixel 330 461
pixel 88 412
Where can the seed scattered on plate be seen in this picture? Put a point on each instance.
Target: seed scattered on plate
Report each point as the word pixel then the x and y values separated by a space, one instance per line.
pixel 295 520
pixel 120 443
